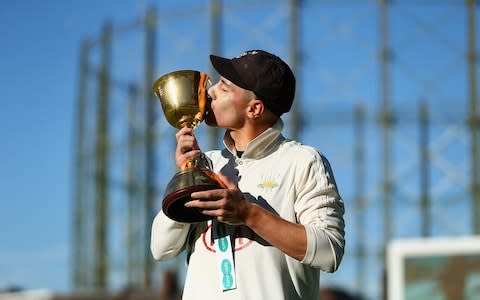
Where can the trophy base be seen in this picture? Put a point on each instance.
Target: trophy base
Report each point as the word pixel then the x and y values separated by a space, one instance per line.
pixel 178 193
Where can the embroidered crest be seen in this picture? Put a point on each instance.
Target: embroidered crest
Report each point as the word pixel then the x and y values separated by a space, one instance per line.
pixel 268 184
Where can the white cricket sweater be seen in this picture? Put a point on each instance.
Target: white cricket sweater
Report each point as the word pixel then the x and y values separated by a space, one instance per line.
pixel 290 179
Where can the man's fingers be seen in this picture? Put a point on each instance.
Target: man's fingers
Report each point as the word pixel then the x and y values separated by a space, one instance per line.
pixel 207 205
pixel 187 144
pixel 210 195
pixel 192 154
pixel 208 208
pixel 184 131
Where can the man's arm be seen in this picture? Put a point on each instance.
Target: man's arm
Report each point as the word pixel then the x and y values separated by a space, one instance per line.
pixel 168 237
pixel 318 238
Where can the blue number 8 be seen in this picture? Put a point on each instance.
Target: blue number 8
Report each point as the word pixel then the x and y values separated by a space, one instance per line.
pixel 227 273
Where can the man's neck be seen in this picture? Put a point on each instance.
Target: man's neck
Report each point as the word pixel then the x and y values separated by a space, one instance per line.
pixel 242 137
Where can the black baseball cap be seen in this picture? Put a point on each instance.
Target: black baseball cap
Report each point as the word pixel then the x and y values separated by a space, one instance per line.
pixel 263 73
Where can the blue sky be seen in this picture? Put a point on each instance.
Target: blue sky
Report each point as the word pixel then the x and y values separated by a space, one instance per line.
pixel 38 59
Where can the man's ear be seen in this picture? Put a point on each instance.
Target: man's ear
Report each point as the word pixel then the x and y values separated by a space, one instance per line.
pixel 256 108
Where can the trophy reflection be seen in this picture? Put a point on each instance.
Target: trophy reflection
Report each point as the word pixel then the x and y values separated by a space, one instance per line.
pixel 184 99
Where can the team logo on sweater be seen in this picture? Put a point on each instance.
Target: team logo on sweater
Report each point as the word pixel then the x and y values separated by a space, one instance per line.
pixel 243 237
pixel 268 184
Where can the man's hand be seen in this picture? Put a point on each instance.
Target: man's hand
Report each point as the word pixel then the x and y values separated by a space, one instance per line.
pixel 227 205
pixel 230 206
pixel 187 147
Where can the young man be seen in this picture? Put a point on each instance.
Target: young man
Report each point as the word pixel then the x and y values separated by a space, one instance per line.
pixel 279 219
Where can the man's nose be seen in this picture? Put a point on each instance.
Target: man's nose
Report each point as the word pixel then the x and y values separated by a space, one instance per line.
pixel 211 92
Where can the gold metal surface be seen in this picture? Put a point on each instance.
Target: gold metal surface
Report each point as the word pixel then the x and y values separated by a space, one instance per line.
pixel 183 96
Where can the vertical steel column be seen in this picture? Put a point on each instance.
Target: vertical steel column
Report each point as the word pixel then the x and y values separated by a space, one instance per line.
pixel 101 157
pixel 424 140
pixel 150 163
pixel 296 121
pixel 474 118
pixel 359 192
pixel 134 242
pixel 386 119
pixel 216 10
pixel 79 257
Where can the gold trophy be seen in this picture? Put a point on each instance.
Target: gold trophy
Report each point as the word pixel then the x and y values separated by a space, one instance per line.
pixel 184 99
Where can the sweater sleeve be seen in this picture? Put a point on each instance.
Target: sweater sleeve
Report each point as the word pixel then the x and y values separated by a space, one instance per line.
pixel 320 209
pixel 168 237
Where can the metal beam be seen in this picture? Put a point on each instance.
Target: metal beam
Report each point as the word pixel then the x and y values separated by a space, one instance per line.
pixel 386 120
pixel 101 156
pixel 216 11
pixel 79 258
pixel 135 249
pixel 474 118
pixel 359 192
pixel 150 163
pixel 296 121
pixel 425 202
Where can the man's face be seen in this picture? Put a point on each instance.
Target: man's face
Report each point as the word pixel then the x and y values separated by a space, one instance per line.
pixel 229 103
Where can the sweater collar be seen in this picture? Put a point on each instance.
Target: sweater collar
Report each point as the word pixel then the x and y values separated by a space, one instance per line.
pixel 262 145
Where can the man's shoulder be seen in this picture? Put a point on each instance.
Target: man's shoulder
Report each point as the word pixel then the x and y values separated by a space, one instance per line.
pixel 301 150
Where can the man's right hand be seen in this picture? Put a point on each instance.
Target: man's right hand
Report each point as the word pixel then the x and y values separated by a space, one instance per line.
pixel 187 147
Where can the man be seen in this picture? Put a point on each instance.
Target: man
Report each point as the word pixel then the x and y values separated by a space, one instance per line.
pixel 279 219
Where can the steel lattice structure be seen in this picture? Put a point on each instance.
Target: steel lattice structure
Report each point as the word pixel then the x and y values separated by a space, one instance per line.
pixel 386 90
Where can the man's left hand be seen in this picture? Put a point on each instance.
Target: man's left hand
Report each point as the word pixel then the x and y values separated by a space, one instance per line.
pixel 227 205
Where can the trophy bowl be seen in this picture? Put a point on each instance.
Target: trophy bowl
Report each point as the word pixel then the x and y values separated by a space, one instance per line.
pixel 184 100
pixel 183 96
